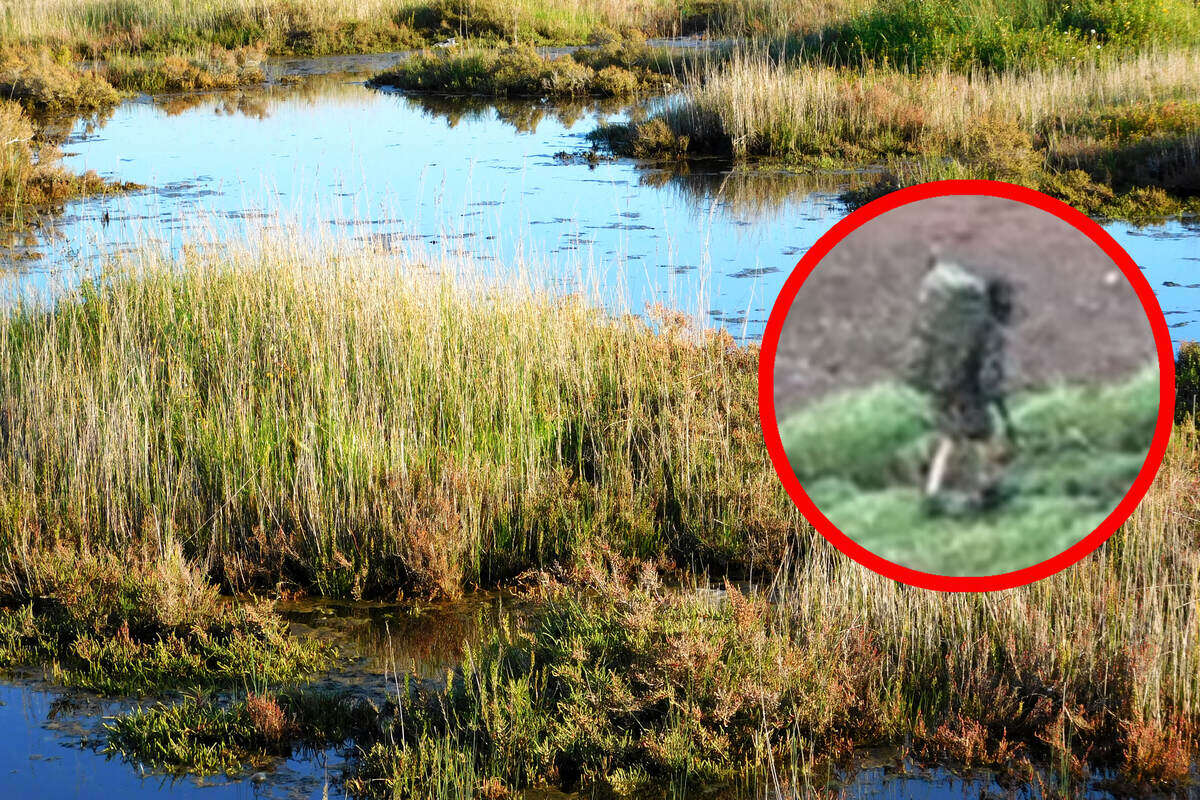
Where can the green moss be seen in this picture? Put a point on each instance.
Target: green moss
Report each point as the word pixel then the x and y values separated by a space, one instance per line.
pixel 122 627
pixel 619 68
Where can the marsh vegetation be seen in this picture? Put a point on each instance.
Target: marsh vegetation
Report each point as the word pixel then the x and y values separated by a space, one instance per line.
pixel 567 451
pixel 611 66
pixel 188 433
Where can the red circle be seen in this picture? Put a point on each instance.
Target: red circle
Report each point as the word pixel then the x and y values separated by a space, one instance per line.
pixel 927 580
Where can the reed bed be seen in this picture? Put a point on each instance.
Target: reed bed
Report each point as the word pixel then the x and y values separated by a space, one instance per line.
pixel 760 106
pixel 1116 138
pixel 622 686
pixel 370 425
pixel 99 27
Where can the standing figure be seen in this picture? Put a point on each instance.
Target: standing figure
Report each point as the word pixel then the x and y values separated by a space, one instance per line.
pixel 958 360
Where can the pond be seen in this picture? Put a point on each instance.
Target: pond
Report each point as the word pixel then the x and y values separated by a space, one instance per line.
pixel 477 179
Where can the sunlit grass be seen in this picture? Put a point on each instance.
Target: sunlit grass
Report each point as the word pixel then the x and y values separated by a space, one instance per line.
pixel 372 423
pixel 1116 137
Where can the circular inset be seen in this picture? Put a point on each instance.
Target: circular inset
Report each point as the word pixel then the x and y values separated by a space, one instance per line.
pixel 966 385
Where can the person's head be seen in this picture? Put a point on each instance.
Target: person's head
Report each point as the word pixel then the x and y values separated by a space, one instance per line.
pixel 1002 299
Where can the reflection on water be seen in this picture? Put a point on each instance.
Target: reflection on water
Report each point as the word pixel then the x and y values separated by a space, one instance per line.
pixel 51 746
pixel 479 179
pixel 329 153
pixel 424 640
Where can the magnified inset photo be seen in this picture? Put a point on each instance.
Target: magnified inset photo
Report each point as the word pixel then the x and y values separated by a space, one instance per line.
pixel 966 386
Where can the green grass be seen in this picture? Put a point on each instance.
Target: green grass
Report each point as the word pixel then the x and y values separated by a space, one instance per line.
pixel 490 428
pixel 617 67
pixel 861 457
pixel 203 735
pixel 1006 34
pixel 139 624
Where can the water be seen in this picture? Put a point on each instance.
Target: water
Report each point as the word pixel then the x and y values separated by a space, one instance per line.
pixel 52 744
pixel 52 749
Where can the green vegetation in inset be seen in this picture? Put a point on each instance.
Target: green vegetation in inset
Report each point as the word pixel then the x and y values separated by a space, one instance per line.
pixel 861 456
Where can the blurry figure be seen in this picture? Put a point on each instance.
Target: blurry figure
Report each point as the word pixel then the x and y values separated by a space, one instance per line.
pixel 958 360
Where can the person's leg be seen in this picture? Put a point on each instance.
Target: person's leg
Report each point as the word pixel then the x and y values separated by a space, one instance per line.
pixel 937 467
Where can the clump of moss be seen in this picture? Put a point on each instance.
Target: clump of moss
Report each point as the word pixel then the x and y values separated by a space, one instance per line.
pixel 43 82
pixel 136 624
pixel 186 72
pixel 203 735
pixel 615 68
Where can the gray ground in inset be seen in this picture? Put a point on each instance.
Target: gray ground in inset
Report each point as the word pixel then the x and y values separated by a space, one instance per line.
pixel 1079 319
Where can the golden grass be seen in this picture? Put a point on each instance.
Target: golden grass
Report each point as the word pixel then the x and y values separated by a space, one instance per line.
pixel 762 106
pixel 370 425
pixel 100 26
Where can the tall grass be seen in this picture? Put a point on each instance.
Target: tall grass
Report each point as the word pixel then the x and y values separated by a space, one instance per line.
pixel 1005 34
pixel 759 106
pixel 367 424
pixel 1115 138
pixel 323 26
